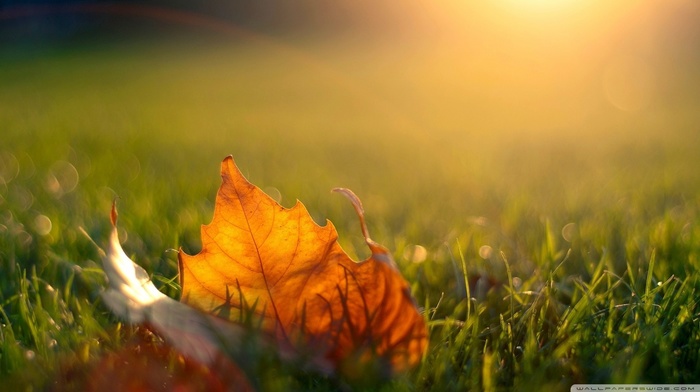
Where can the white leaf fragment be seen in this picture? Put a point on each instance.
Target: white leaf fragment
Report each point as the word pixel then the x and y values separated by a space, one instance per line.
pixel 132 296
pixel 131 292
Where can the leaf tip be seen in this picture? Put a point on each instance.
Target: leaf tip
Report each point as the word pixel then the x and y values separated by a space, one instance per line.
pixel 113 215
pixel 379 252
pixel 227 164
pixel 357 204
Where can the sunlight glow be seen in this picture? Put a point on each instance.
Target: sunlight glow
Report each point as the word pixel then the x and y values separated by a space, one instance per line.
pixel 540 5
pixel 628 83
pixel 553 65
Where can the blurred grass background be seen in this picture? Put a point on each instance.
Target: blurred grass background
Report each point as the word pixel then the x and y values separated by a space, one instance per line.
pixel 558 145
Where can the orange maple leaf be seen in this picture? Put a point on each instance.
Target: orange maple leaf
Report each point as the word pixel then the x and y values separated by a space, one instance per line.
pixel 311 296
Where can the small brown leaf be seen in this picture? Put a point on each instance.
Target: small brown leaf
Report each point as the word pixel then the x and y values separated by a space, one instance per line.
pixel 311 296
pixel 144 364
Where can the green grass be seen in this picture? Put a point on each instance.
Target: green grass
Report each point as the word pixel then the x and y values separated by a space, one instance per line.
pixel 581 243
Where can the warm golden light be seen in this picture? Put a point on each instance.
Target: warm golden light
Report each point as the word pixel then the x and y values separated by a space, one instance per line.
pixel 539 6
pixel 629 83
pixel 552 65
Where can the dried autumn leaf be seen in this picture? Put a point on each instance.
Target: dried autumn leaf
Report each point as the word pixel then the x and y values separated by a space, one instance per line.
pixel 260 257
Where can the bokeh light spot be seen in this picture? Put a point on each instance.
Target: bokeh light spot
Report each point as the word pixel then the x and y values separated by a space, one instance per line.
pixel 9 167
pixel 3 190
pixel 21 197
pixel 132 166
pixel 629 83
pixel 480 221
pixel 63 178
pixel 517 282
pixel 485 252
pixel 24 239
pixel 568 231
pixel 274 193
pixel 415 253
pixel 42 225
